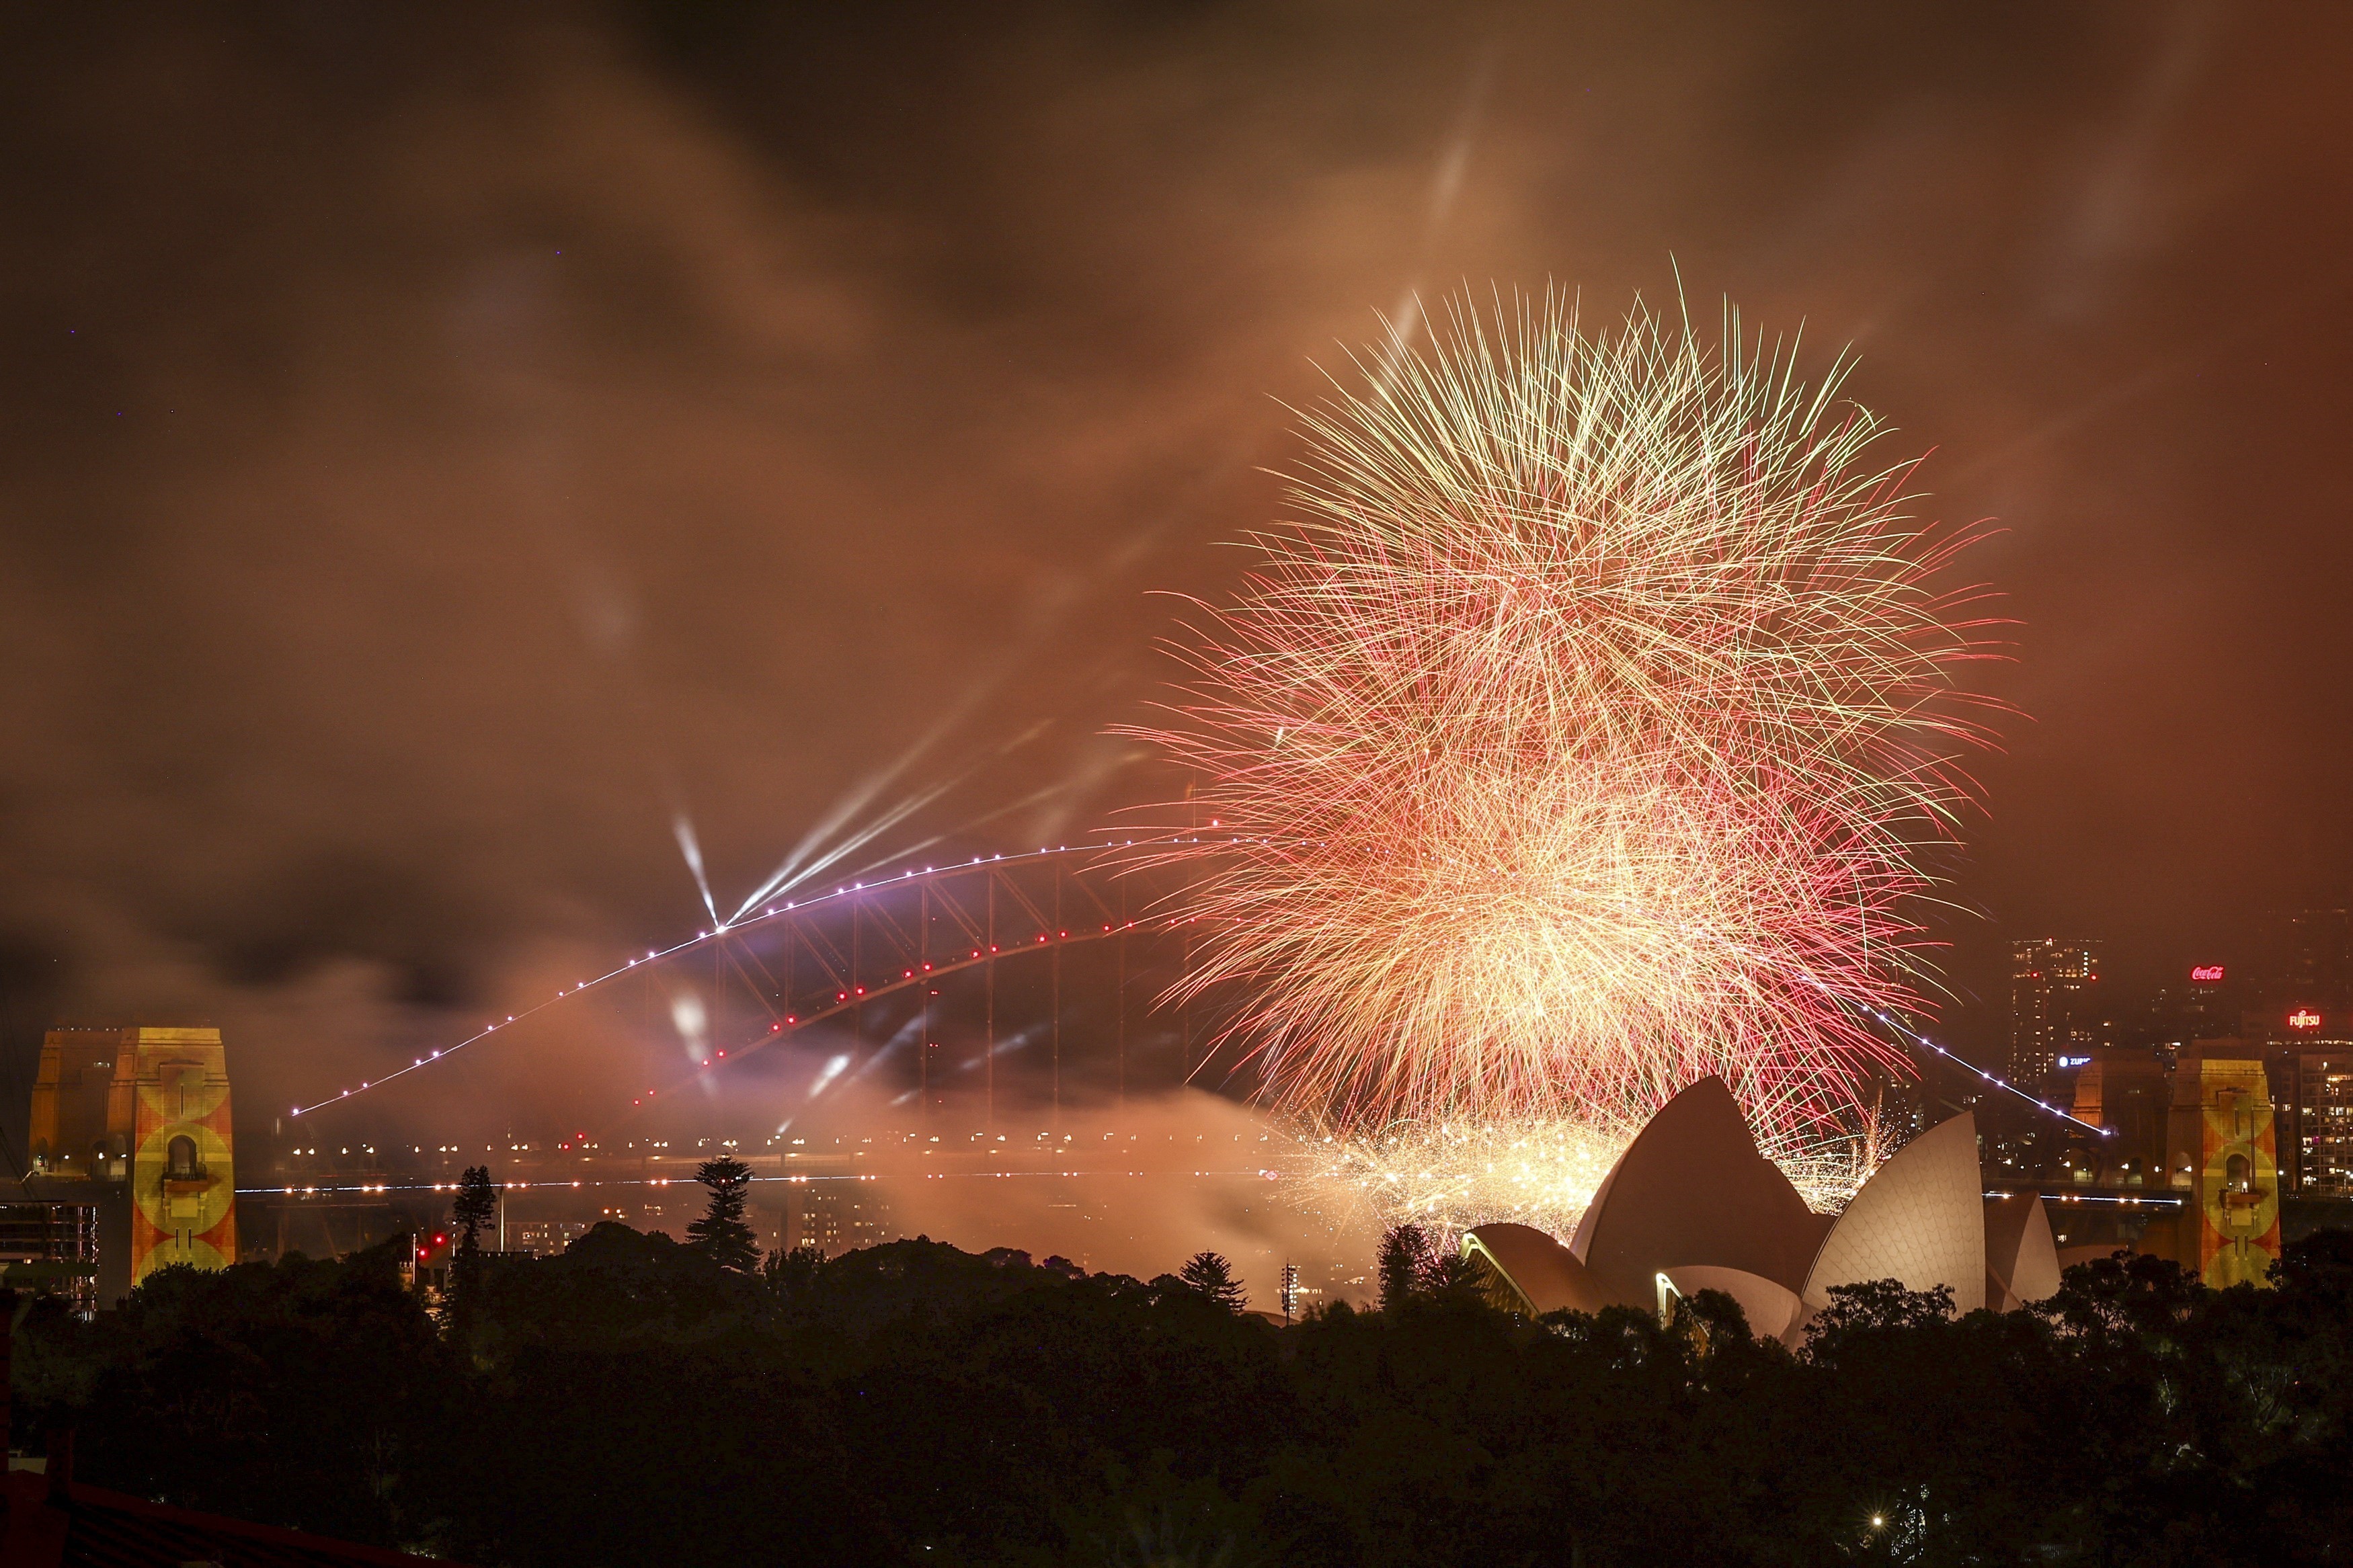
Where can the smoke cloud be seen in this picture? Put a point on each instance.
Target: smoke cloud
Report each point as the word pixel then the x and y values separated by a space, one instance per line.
pixel 448 448
pixel 1133 1189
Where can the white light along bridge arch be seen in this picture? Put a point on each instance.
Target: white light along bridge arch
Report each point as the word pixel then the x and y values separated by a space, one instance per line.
pixel 879 948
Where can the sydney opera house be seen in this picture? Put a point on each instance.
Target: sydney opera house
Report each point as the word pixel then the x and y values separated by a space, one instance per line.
pixel 1692 1205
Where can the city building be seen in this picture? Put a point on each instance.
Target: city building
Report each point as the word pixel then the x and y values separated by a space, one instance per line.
pixel 134 1123
pixel 544 1237
pixel 2306 1050
pixel 2307 961
pixel 1692 1205
pixel 51 1248
pixel 2308 1062
pixel 834 1214
pixel 2320 1119
pixel 2056 1010
pixel 2207 1001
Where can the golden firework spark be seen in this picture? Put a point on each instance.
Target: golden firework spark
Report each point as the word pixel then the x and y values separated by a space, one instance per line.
pixel 1448 1176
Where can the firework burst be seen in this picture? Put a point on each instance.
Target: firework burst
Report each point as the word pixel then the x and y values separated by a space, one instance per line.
pixel 1603 701
pixel 1450 1175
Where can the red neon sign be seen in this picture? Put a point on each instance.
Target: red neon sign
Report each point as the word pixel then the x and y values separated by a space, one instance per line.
pixel 2206 973
pixel 2304 1018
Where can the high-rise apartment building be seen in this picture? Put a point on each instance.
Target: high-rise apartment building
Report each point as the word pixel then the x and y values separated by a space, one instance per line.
pixel 2323 1116
pixel 834 1216
pixel 2055 1007
pixel 2204 1000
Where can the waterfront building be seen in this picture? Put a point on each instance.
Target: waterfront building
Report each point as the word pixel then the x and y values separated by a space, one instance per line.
pixel 1692 1205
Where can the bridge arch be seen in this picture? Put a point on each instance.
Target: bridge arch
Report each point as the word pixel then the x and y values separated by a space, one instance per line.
pixel 1102 920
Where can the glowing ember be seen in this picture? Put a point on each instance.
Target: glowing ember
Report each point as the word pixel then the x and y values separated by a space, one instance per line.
pixel 1448 1176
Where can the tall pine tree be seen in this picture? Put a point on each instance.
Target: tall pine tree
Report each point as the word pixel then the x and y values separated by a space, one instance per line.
pixel 721 1232
pixel 476 1205
pixel 1408 1259
pixel 1213 1277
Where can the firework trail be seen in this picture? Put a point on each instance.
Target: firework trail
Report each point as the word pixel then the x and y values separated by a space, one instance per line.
pixel 1605 704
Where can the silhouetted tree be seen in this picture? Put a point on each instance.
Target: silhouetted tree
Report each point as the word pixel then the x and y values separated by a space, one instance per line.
pixel 1451 1276
pixel 911 1394
pixel 791 1275
pixel 1408 1260
pixel 476 1205
pixel 1867 1323
pixel 1213 1277
pixel 1880 1304
pixel 722 1233
pixel 2318 1269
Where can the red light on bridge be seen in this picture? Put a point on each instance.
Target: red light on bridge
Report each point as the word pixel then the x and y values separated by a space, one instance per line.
pixel 2304 1019
pixel 2206 974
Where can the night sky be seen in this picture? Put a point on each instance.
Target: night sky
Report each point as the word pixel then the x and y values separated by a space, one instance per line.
pixel 443 449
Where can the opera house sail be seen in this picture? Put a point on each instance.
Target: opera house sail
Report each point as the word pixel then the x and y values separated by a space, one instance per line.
pixel 1692 1205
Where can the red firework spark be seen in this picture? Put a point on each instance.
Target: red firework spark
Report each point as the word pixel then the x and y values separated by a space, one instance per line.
pixel 1599 711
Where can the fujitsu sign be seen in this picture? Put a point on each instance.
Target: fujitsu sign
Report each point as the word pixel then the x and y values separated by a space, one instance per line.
pixel 2304 1018
pixel 2206 974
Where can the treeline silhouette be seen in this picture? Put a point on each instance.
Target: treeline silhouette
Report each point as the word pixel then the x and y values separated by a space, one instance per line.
pixel 637 1400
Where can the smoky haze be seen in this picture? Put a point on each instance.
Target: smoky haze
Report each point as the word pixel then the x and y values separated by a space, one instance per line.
pixel 447 451
pixel 1130 1189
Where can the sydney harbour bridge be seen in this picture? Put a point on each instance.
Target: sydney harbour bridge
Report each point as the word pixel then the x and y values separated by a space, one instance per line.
pixel 1004 1017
